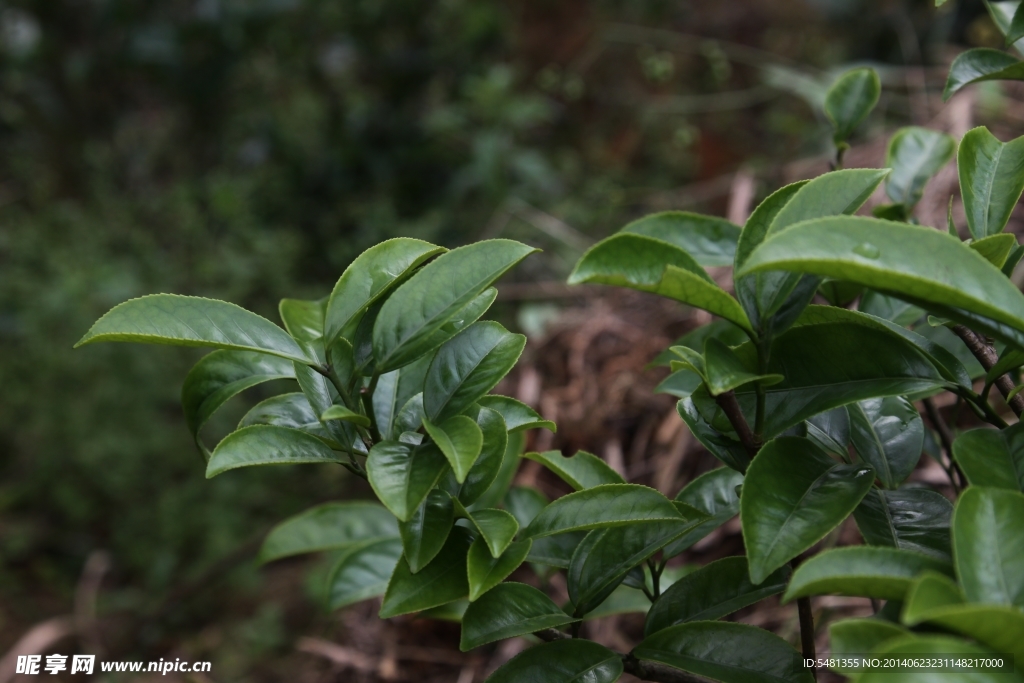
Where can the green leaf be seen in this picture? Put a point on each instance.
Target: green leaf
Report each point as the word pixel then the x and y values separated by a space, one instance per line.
pixel 496 527
pixel 492 453
pixel 1011 359
pixel 371 276
pixel 915 154
pixel 888 434
pixel 727 652
pixel 286 410
pixel 221 375
pixel 402 474
pixel 936 600
pixel 337 412
pixel 725 371
pixel 991 179
pixel 981 64
pixel 651 265
pixel 601 506
pixel 859 637
pixel 193 321
pixel 303 319
pixel 460 439
pixel 518 416
pixel 506 611
pixel 1016 29
pixel 910 519
pixel 850 99
pixel 467 366
pixel 988 545
pixel 424 534
pixel 525 504
pixel 680 384
pixel 328 527
pixel 916 262
pixel 486 571
pixel 830 431
pixel 267 445
pixel 889 308
pixel 711 241
pixel 321 395
pixel 831 194
pixel 581 471
pixel 728 450
pixel 933 647
pixel 792 496
pixel 995 248
pixel 712 592
pixel 411 319
pixel 714 494
pixel 605 556
pixel 393 392
pixel 440 582
pixel 992 457
pixel 883 573
pixel 363 573
pixel 563 661
pixel 498 488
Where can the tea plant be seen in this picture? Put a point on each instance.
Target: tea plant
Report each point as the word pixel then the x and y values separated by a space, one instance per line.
pixel 809 406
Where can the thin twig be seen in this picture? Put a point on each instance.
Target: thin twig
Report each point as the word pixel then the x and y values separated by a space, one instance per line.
pixel 946 437
pixel 988 357
pixel 731 407
pixel 661 673
pixel 803 608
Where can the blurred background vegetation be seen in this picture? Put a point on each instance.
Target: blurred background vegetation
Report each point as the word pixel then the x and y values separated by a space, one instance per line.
pixel 248 149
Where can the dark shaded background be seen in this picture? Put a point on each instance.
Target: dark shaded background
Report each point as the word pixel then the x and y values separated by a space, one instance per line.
pixel 248 149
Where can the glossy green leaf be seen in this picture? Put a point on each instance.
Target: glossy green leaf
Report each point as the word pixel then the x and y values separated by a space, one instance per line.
pixel 725 371
pixel 714 494
pixel 499 487
pixel 496 527
pixel 1015 31
pixel 992 457
pixel 342 413
pixel 995 248
pixel 486 571
pixel 402 474
pixel 509 610
pixel 831 194
pixel 221 375
pixel 371 276
pixel 850 99
pixel 393 392
pixel 727 652
pixel 286 410
pixel 988 545
pixel 328 527
pixel 792 496
pixel 910 519
pixel 915 154
pixel 601 506
pixel 492 453
pixel 424 534
pixel 933 647
pixel 303 319
pixel 680 384
pixel 883 573
pixel 411 318
pixel 981 64
pixel 363 573
pixel 580 471
pixel 525 504
pixel 460 439
pixel 604 558
pixel 929 591
pixel 889 308
pixel 1011 359
pixel 888 434
pixel 440 582
pixel 518 416
pixel 830 430
pixel 710 240
pixel 321 395
pixel 193 321
pixel 652 265
pixel 712 592
pixel 860 637
pixel 728 450
pixel 268 445
pixel 918 262
pixel 562 661
pixel 991 179
pixel 467 366
pixel 722 330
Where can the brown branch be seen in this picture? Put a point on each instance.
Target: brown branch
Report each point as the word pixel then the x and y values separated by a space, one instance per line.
pixel 803 608
pixel 988 357
pixel 731 407
pixel 660 673
pixel 551 634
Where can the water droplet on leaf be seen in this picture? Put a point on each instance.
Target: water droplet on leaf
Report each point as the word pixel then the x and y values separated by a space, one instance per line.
pixel 866 250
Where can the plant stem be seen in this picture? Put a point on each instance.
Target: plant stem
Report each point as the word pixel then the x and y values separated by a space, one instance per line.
pixel 803 607
pixel 731 407
pixel 946 437
pixel 988 357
